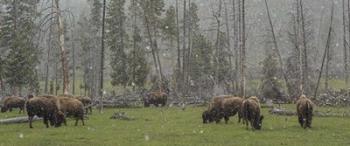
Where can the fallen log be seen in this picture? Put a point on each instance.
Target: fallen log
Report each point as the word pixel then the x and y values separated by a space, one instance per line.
pixel 284 112
pixel 17 120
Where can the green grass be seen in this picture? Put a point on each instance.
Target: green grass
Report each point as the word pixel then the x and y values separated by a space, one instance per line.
pixel 173 126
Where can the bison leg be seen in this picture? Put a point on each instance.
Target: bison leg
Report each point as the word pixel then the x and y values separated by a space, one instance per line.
pixel 82 120
pixel 226 119
pixel 30 119
pixel 301 120
pixel 46 121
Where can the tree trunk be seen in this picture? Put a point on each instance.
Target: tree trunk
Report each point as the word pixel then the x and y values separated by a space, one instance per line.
pixel 325 51
pixel 236 45
pixel 184 61
pixel 345 49
pixel 277 52
pixel 102 55
pixel 243 51
pixel 229 48
pixel 305 58
pixel 60 28
pixel 178 38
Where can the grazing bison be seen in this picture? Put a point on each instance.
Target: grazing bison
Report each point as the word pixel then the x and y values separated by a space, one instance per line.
pixel 230 107
pixel 223 107
pixel 304 110
pixel 250 109
pixel 155 98
pixel 46 108
pixel 71 107
pixel 13 102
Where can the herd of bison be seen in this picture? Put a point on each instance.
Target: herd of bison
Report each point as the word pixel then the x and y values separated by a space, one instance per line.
pixel 54 109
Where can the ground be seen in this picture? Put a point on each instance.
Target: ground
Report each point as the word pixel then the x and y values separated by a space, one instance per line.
pixel 174 126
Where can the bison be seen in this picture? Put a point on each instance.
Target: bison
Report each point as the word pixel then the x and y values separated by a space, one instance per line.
pixel 71 107
pixel 13 102
pixel 304 111
pixel 87 102
pixel 250 109
pixel 155 98
pixel 45 107
pixel 223 107
pixel 230 107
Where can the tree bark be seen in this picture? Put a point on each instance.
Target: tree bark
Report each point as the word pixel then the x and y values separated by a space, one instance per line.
pixel 345 48
pixel 102 55
pixel 243 52
pixel 60 28
pixel 305 56
pixel 178 37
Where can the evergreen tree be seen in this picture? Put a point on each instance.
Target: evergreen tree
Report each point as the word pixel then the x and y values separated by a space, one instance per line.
pixel 138 68
pixel 117 39
pixel 271 86
pixel 17 32
pixel 169 25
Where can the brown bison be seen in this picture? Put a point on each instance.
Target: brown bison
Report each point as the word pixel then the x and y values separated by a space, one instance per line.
pixel 45 107
pixel 87 102
pixel 223 107
pixel 13 102
pixel 230 107
pixel 71 107
pixel 304 110
pixel 250 109
pixel 156 98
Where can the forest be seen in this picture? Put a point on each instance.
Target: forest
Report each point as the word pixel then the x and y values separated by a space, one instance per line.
pixel 151 62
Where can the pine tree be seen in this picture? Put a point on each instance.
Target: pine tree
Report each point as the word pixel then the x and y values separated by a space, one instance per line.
pixel 17 31
pixel 117 39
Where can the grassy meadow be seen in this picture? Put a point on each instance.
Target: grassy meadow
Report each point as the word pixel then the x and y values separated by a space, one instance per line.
pixel 174 126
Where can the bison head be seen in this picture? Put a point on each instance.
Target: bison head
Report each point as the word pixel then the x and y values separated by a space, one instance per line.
pixel 207 117
pixel 3 109
pixel 258 122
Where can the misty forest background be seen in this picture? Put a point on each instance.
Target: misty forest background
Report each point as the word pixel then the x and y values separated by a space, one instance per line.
pixel 270 48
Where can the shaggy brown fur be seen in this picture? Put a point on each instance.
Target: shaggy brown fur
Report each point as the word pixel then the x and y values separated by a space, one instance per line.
pixel 230 107
pixel 304 110
pixel 155 98
pixel 43 107
pixel 215 107
pixel 251 113
pixel 71 108
pixel 13 102
pixel 85 100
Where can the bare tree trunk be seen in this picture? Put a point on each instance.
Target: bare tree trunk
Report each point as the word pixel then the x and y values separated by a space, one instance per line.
pixel 217 16
pixel 102 55
pixel 229 48
pixel 63 49
pixel 178 37
pixel 236 44
pixel 189 53
pixel 326 50
pixel 74 64
pixel 305 61
pixel 243 51
pixel 276 46
pixel 184 61
pixel 345 48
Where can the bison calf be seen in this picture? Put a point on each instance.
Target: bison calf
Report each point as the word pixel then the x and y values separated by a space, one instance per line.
pixel 13 102
pixel 304 110
pixel 251 113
